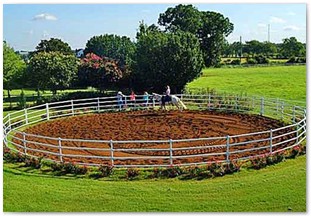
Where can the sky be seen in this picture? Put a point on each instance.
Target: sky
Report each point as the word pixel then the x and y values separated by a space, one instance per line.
pixel 25 25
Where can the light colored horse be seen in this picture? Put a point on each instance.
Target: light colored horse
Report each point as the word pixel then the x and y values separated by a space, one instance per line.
pixel 174 101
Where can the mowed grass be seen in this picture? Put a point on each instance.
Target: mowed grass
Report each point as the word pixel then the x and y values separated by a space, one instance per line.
pixel 286 82
pixel 278 188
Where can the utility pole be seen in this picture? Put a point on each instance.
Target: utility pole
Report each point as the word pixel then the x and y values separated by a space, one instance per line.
pixel 268 32
pixel 240 49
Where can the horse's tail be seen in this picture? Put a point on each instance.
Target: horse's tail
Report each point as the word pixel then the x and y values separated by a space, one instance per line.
pixel 182 104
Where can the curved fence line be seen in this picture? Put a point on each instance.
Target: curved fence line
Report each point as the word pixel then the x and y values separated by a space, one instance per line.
pixel 148 153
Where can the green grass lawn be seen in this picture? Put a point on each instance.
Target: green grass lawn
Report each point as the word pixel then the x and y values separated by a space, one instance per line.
pixel 278 188
pixel 286 82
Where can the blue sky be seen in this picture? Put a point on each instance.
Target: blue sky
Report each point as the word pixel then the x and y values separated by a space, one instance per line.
pixel 24 25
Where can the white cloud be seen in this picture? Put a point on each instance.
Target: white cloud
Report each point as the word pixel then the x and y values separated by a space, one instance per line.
pixel 291 28
pixel 45 16
pixel 291 13
pixel 276 20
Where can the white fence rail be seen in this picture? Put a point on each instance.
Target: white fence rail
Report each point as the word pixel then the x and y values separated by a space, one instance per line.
pixel 148 153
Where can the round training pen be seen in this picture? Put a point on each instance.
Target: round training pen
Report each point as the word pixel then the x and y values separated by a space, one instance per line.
pixel 100 131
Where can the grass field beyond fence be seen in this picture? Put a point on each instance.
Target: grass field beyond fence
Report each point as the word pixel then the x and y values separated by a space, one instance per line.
pixel 286 82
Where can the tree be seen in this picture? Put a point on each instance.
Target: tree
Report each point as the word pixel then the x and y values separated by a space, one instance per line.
pixel 253 47
pixel 112 46
pixel 98 72
pixel 52 70
pixel 53 45
pixel 269 49
pixel 210 28
pixel 166 59
pixel 182 17
pixel 292 47
pixel 13 69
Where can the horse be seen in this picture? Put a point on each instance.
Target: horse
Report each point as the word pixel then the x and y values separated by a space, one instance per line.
pixel 174 101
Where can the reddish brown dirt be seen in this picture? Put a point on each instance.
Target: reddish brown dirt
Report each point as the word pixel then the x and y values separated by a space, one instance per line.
pixel 153 125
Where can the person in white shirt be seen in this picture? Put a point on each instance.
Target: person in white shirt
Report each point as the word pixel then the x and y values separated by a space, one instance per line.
pixel 120 99
pixel 167 96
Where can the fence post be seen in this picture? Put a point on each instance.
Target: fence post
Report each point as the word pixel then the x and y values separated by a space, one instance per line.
pixel 262 106
pixel 9 116
pixel 153 102
pixel 253 102
pixel 236 104
pixel 111 153
pixel 271 135
pixel 297 133
pixel 209 101
pixel 228 150
pixel 282 110
pixel 277 107
pixel 26 116
pixel 47 111
pixel 72 109
pixel 24 143
pixel 60 149
pixel 294 114
pixel 98 105
pixel 171 151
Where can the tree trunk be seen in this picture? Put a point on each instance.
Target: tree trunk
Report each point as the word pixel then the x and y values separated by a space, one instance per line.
pixel 9 96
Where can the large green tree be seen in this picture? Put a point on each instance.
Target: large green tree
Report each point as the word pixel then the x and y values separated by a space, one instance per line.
pixel 164 59
pixel 112 46
pixel 210 28
pixel 52 70
pixel 13 69
pixel 292 47
pixel 53 45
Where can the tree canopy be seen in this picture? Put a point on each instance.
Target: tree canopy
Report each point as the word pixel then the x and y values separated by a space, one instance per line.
pixel 292 47
pixel 13 68
pixel 210 28
pixel 54 45
pixel 164 59
pixel 112 46
pixel 52 70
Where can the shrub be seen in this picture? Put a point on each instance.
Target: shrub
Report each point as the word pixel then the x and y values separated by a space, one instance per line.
pixel 131 173
pixel 80 170
pixel 251 61
pixel 13 157
pixel 258 162
pixel 156 172
pixel 216 169
pixel 235 62
pixel 21 104
pixel 232 167
pixel 69 168
pixel 33 162
pixel 171 172
pixel 105 170
pixel 261 59
pixel 57 166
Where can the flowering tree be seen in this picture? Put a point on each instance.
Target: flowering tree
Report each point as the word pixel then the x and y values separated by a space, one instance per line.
pixel 98 72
